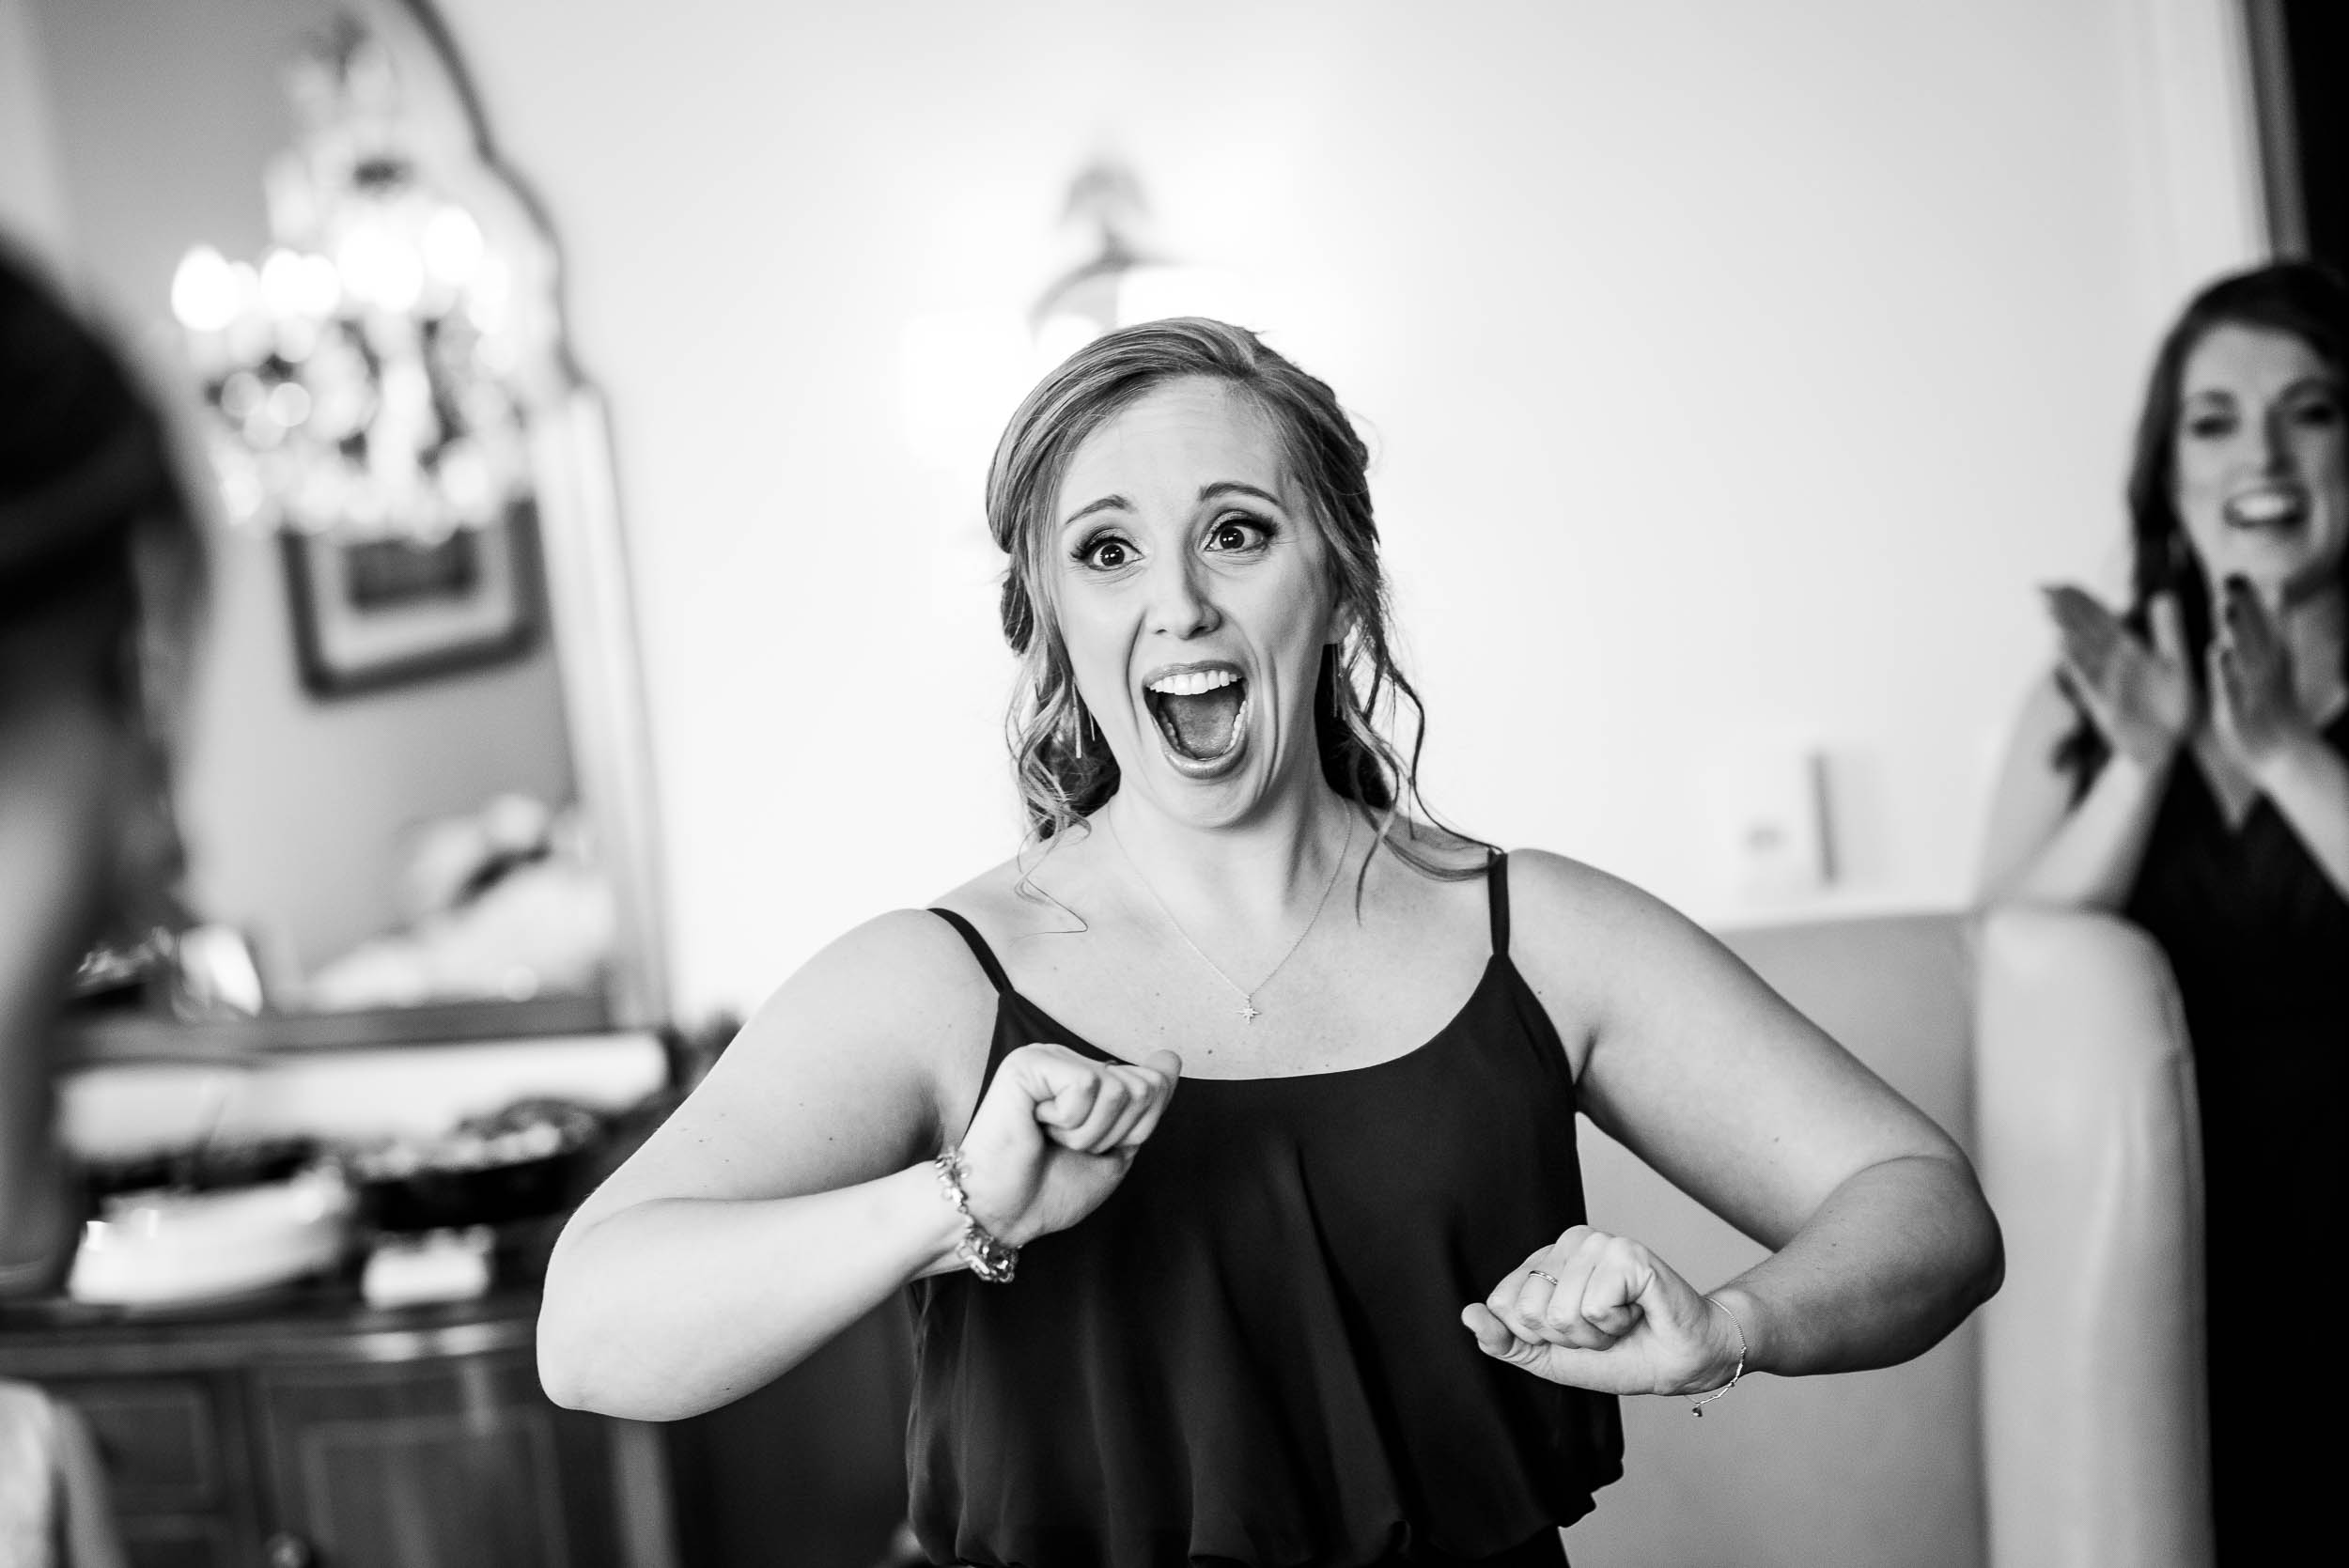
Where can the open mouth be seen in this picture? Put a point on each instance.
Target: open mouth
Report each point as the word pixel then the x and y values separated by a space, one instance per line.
pixel 2270 506
pixel 1199 711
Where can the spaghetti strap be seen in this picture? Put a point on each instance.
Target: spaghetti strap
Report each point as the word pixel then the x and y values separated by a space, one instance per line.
pixel 999 1040
pixel 979 950
pixel 1496 890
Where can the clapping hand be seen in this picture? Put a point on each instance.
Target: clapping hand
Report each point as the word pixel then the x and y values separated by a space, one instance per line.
pixel 2254 711
pixel 1603 1313
pixel 1056 1134
pixel 2140 698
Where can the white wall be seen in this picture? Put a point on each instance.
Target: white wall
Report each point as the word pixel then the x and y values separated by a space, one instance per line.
pixel 32 202
pixel 1735 369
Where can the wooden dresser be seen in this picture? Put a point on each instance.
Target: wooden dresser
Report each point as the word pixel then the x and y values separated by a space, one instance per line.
pixel 317 1431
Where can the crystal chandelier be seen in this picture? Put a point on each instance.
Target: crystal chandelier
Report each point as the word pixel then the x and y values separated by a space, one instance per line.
pixel 367 375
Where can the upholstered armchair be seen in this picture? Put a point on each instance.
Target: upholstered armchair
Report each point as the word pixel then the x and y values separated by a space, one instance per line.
pixel 2066 1423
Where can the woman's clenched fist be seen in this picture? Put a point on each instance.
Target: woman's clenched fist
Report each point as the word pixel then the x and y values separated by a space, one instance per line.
pixel 1601 1311
pixel 1054 1135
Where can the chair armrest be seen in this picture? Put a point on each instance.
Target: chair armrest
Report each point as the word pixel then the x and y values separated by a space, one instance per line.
pixel 2095 1426
pixel 1881 1466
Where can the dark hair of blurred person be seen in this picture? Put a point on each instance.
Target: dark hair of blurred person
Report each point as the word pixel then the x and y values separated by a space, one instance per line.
pixel 100 576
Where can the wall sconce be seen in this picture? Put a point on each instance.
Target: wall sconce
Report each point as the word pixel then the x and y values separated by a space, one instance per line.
pixel 965 371
pixel 1122 283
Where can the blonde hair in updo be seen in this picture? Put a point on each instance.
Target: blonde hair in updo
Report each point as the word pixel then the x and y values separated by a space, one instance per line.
pixel 1063 778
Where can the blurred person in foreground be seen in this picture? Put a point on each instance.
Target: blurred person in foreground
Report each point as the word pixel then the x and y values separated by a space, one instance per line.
pixel 97 569
pixel 2187 766
pixel 1333 1300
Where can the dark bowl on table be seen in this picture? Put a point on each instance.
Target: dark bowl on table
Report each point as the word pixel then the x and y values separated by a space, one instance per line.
pixel 526 1163
pixel 433 1200
pixel 206 1167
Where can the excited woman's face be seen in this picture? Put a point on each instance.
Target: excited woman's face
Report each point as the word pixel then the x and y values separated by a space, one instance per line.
pixel 2262 466
pixel 1194 595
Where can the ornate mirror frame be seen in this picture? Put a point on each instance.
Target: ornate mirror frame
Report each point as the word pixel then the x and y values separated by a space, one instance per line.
pixel 590 610
pixel 388 90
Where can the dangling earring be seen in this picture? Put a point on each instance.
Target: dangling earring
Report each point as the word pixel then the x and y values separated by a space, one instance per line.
pixel 1077 723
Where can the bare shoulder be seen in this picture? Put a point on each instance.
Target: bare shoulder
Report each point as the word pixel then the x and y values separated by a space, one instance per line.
pixel 1557 900
pixel 2033 794
pixel 1593 945
pixel 846 1072
pixel 904 959
pixel 2046 716
pixel 899 992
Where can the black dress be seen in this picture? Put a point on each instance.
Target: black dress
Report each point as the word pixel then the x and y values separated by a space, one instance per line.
pixel 2258 939
pixel 1252 1352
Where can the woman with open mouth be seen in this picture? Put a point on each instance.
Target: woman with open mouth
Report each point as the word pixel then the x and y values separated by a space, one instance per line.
pixel 2187 767
pixel 1335 1302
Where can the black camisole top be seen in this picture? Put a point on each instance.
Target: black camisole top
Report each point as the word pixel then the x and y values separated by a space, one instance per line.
pixel 1251 1352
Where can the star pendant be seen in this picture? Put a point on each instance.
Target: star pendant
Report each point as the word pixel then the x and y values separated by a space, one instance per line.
pixel 1248 1013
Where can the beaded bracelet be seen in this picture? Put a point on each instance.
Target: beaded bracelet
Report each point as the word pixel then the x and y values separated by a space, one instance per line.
pixel 989 1258
pixel 1696 1408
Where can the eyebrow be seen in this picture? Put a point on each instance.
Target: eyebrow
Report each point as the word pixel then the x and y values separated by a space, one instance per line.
pixel 1107 503
pixel 1233 486
pixel 1216 492
pixel 2321 381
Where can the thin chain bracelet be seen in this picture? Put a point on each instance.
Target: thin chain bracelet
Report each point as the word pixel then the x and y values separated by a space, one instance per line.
pixel 1696 1408
pixel 989 1258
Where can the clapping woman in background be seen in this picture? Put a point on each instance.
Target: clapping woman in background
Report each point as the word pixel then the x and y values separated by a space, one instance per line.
pixel 1335 1300
pixel 2187 766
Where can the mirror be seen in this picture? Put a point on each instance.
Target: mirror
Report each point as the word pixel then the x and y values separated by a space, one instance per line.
pixel 411 777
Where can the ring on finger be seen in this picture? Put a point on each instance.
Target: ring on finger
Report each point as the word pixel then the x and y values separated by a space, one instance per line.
pixel 1539 1275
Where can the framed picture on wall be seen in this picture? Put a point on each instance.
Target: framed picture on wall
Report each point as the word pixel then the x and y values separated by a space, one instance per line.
pixel 386 612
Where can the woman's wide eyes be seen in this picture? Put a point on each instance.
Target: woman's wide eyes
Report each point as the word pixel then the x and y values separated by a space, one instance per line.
pixel 1226 535
pixel 1230 534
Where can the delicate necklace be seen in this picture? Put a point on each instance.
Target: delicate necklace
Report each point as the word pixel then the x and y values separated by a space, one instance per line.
pixel 1249 1011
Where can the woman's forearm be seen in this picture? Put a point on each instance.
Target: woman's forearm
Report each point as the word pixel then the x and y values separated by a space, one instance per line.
pixel 670 1308
pixel 1891 1262
pixel 2310 786
pixel 2091 860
